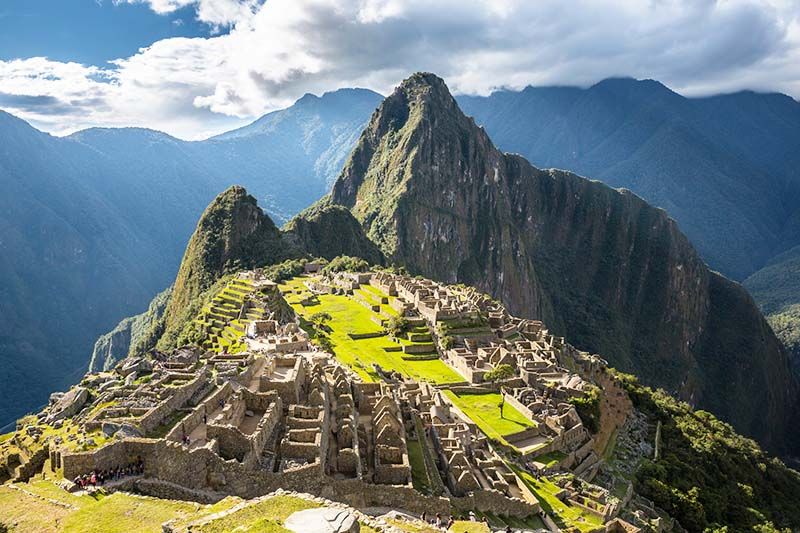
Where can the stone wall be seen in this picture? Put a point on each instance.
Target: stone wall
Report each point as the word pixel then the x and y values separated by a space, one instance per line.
pixel 183 394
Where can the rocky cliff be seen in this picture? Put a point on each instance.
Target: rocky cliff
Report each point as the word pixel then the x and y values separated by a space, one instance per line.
pixel 599 265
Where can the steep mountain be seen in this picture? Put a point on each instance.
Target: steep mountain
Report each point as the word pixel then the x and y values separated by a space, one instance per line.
pixel 233 234
pixel 776 288
pixel 328 231
pixel 725 167
pixel 130 333
pixel 599 265
pixel 94 224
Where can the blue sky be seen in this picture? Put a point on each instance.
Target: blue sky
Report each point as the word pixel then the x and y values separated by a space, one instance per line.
pixel 88 31
pixel 66 65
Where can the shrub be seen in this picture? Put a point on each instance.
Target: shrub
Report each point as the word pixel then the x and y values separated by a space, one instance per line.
pixel 500 373
pixel 345 263
pixel 286 270
pixel 397 325
pixel 588 408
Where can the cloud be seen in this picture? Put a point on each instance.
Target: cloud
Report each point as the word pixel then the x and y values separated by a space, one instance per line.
pixel 217 13
pixel 276 51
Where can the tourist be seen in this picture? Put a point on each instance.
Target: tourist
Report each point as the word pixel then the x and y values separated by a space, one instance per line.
pixel 424 516
pixel 472 517
pixel 439 522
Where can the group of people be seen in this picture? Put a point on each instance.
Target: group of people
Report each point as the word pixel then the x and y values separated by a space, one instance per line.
pixel 438 521
pixel 445 525
pixel 98 477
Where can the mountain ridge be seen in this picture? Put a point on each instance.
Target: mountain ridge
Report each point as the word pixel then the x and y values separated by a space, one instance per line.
pixel 94 225
pixel 598 264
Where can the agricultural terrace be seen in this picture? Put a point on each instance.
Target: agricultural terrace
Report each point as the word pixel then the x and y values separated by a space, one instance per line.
pixel 484 410
pixel 221 322
pixel 566 516
pixel 350 317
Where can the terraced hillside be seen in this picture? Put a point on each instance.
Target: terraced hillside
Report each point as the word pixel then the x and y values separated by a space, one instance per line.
pixel 221 323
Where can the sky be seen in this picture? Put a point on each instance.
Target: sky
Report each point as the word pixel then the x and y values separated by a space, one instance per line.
pixel 194 68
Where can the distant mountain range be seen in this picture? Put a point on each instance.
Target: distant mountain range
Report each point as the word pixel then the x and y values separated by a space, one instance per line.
pixel 94 224
pixel 727 168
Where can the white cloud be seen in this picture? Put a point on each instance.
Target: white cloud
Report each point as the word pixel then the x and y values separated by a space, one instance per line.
pixel 278 50
pixel 217 13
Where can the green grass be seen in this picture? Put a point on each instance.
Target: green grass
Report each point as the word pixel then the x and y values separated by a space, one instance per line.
pixel 416 526
pixel 465 526
pixel 551 459
pixel 349 316
pixel 264 517
pixel 6 436
pixel 484 411
pixel 419 475
pixel 117 513
pixel 564 515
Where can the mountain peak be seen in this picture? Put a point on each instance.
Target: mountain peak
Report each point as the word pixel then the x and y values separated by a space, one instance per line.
pixel 233 233
pixel 412 125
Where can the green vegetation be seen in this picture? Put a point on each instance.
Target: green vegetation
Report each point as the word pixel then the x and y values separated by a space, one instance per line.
pixel 220 325
pixel 232 234
pixel 465 526
pixel 345 263
pixel 117 513
pixel 565 515
pixel 415 526
pixel 484 410
pixel 551 459
pixel 708 476
pixel 285 270
pixel 588 408
pixel 263 517
pixel 397 326
pixel 500 373
pixel 419 475
pixel 347 317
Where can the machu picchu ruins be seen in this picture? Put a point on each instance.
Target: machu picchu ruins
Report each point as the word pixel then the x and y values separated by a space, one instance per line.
pixel 374 389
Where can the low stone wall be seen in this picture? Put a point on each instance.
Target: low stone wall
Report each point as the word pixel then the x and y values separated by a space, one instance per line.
pixel 519 406
pixel 155 416
pixel 419 348
pixel 371 335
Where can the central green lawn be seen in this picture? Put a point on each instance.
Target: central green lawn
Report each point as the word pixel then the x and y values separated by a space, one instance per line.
pixel 484 411
pixel 349 316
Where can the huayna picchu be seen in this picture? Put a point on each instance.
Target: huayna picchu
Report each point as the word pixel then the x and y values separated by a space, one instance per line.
pixel 431 347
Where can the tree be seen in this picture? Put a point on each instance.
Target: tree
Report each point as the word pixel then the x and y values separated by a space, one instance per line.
pixel 397 325
pixel 320 321
pixel 503 371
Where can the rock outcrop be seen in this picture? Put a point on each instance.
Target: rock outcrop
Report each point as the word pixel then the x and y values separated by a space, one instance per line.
pixel 598 264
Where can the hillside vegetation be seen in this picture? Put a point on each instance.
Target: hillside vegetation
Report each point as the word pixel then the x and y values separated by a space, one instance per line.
pixel 708 476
